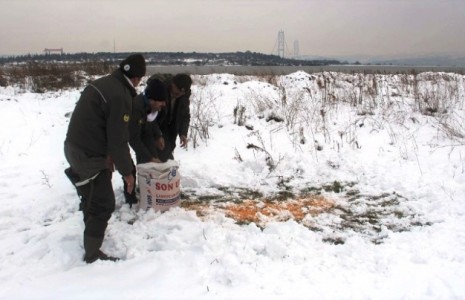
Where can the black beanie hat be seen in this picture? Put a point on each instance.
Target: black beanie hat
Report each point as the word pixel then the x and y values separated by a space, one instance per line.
pixel 182 81
pixel 155 90
pixel 133 66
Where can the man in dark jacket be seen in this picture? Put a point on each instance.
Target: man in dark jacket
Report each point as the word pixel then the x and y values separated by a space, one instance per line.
pixel 145 136
pixel 176 119
pixel 96 142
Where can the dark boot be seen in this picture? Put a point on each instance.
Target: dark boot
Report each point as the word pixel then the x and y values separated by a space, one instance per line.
pixel 102 256
pixel 92 248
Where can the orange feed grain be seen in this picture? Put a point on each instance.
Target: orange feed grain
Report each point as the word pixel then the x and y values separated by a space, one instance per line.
pixel 256 210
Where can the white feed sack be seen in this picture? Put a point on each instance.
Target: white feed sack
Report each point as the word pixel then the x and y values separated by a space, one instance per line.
pixel 159 185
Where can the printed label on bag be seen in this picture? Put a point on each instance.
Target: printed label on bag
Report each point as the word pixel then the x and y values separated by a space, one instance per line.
pixel 159 186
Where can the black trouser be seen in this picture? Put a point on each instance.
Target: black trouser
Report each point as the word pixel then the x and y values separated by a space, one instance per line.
pixel 98 203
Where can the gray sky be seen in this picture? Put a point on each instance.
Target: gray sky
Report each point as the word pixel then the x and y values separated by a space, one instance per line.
pixel 322 27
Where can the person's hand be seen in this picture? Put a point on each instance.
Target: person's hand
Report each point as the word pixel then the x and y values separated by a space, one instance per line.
pixel 129 183
pixel 110 164
pixel 160 143
pixel 183 139
pixel 155 160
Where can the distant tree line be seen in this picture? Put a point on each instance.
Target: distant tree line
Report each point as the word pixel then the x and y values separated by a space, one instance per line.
pixel 45 72
pixel 247 58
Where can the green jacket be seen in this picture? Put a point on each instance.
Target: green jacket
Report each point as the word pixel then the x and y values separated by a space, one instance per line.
pixel 99 123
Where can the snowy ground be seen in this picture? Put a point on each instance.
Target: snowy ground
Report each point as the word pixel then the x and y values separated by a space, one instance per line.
pixel 395 178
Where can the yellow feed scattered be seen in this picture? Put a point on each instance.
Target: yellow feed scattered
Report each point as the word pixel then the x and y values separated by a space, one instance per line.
pixel 261 211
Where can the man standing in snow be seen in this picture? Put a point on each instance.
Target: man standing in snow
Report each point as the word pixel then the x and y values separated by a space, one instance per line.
pixel 96 142
pixel 145 136
pixel 177 116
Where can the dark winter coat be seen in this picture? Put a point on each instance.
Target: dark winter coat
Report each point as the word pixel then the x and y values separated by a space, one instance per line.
pixel 142 134
pixel 175 121
pixel 99 126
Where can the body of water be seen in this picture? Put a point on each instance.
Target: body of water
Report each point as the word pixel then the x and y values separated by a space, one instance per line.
pixel 283 70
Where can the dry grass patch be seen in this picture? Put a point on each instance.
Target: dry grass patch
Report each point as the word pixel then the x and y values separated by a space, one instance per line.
pixel 349 213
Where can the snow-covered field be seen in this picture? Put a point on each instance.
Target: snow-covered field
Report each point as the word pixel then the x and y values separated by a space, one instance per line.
pixel 387 152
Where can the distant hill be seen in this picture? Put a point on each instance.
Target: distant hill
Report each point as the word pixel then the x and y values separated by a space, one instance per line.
pixel 433 60
pixel 177 58
pixel 441 60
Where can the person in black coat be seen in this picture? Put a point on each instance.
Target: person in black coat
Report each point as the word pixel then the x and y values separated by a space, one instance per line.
pixel 96 142
pixel 176 117
pixel 145 136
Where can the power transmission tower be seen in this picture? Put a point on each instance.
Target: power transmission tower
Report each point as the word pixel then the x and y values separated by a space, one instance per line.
pixel 281 43
pixel 282 46
pixel 296 49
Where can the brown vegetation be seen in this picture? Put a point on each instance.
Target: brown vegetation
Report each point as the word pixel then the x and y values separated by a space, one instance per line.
pixel 40 77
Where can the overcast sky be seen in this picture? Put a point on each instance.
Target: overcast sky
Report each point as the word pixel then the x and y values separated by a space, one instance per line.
pixel 322 27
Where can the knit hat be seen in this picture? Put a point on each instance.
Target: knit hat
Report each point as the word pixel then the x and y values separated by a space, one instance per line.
pixel 133 66
pixel 182 82
pixel 155 90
